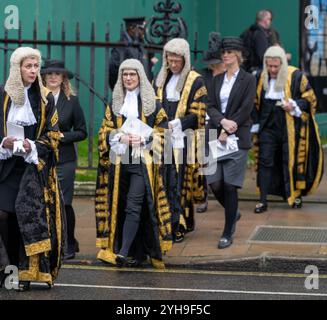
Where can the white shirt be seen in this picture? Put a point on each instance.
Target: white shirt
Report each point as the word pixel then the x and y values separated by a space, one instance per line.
pixel 56 97
pixel 226 90
pixel 280 95
pixel 272 93
pixel 22 116
pixel 130 107
pixel 171 93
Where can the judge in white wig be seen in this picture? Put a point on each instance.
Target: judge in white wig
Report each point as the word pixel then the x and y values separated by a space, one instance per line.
pixel 132 213
pixel 31 211
pixel 183 95
pixel 287 145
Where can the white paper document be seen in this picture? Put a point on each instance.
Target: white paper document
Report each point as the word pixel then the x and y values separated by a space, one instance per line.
pixel 137 127
pixel 219 150
pixel 15 131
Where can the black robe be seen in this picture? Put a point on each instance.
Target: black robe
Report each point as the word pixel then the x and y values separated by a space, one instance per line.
pixel 38 205
pixel 154 235
pixel 299 172
pixel 185 182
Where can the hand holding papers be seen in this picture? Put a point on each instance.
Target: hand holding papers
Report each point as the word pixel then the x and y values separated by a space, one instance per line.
pixel 137 127
pixel 15 131
pixel 134 126
pixel 220 150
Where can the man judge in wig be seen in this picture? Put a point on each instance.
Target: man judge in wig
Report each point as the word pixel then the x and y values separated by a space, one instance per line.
pixel 288 146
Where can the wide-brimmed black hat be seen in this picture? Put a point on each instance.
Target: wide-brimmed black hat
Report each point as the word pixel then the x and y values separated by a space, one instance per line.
pixel 212 56
pixel 57 66
pixel 232 43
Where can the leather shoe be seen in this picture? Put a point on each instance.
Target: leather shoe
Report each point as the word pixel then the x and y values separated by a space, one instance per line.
pixel 179 237
pixel 23 286
pixel 225 242
pixel 127 262
pixel 260 208
pixel 202 208
pixel 297 203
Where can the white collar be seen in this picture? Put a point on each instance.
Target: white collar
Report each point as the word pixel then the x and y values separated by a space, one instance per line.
pixel 130 107
pixel 235 74
pixel 272 93
pixel 171 92
pixel 22 115
pixel 56 97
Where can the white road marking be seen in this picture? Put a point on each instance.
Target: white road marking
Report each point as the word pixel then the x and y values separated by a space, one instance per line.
pixel 267 293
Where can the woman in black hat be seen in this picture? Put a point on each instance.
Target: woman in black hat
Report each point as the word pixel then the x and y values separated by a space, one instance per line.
pixel 214 67
pixel 231 101
pixel 73 128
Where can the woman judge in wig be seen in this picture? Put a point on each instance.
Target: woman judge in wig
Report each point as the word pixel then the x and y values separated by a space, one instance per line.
pixel 132 212
pixel 31 208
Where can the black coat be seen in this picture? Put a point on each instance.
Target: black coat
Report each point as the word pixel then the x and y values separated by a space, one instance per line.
pixel 239 108
pixel 119 55
pixel 71 124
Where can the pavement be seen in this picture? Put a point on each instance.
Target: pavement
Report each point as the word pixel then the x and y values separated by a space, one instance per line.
pixel 199 249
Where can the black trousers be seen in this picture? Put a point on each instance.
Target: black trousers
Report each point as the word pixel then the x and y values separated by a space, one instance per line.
pixel 273 145
pixel 11 246
pixel 132 183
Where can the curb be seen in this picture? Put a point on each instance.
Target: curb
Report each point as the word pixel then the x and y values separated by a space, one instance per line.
pixel 265 263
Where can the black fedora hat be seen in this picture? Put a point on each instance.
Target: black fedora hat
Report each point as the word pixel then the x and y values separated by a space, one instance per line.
pixel 233 43
pixel 57 66
pixel 212 56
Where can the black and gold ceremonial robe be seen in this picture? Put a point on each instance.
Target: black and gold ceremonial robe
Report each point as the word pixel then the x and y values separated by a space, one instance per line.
pixel 38 206
pixel 154 236
pixel 299 171
pixel 191 110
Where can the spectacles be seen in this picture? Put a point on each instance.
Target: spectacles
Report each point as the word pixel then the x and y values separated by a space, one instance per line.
pixel 131 75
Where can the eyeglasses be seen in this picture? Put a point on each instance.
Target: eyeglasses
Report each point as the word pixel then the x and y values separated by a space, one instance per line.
pixel 131 75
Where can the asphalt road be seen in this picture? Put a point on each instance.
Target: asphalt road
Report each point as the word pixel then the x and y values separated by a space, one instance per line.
pixel 105 283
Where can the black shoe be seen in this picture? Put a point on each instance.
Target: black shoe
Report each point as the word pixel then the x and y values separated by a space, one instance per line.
pixel 121 261
pixel 225 242
pixel 179 237
pixel 126 262
pixel 260 208
pixel 297 203
pixel 23 286
pixel 238 218
pixel 202 208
